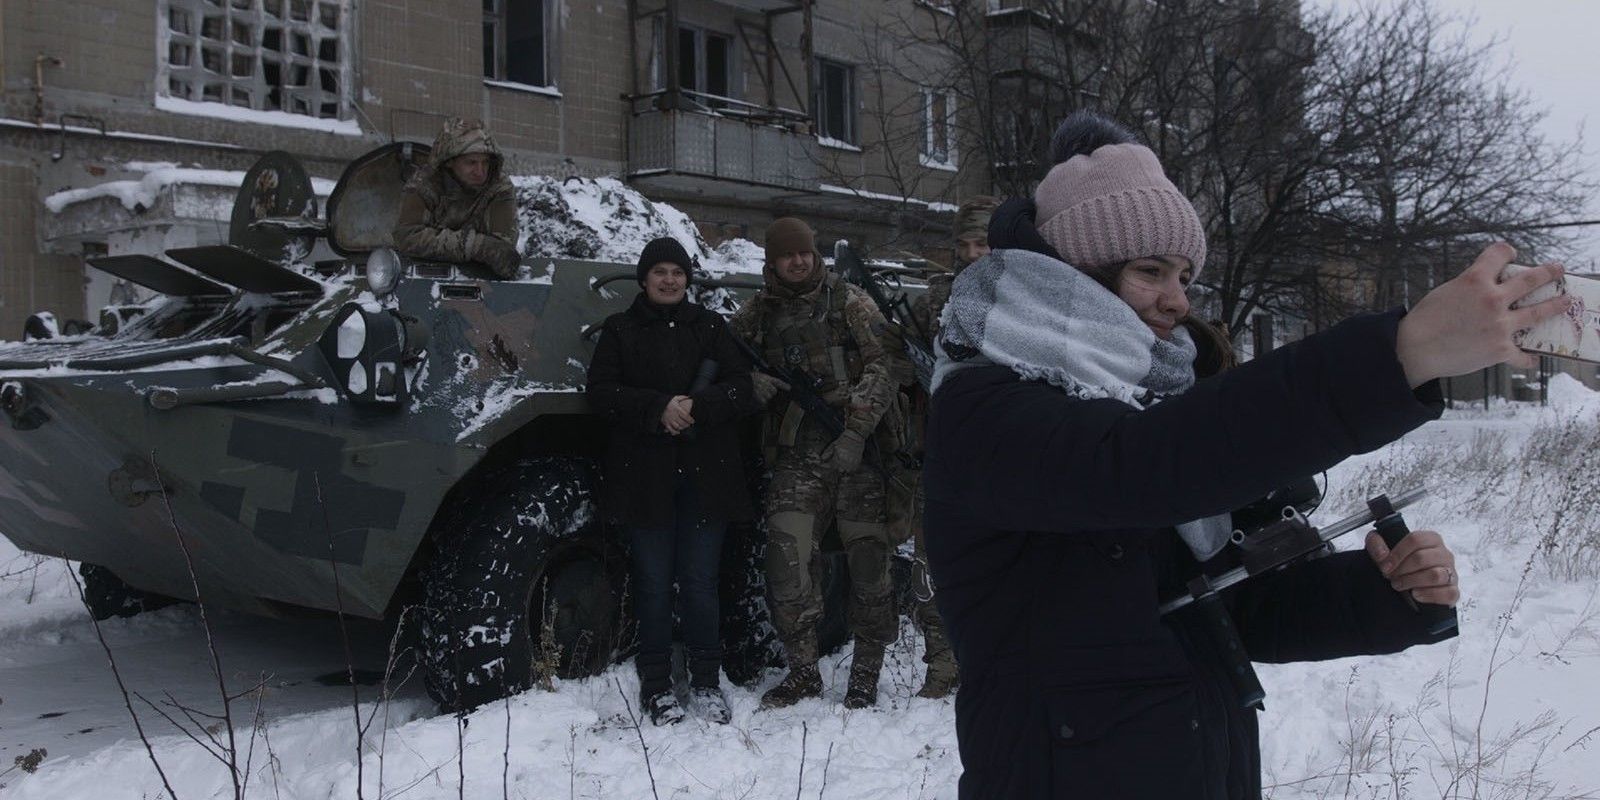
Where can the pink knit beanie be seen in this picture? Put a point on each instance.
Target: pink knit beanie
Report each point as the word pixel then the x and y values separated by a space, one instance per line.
pixel 1114 205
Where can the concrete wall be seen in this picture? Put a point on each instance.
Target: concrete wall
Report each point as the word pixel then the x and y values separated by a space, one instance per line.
pixel 415 62
pixel 30 280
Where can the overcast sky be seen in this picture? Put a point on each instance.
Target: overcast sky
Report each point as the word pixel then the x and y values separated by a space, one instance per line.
pixel 1551 45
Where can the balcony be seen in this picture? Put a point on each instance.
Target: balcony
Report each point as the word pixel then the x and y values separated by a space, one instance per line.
pixel 734 150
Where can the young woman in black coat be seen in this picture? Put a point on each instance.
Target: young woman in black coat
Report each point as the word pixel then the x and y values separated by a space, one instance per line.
pixel 1078 474
pixel 667 375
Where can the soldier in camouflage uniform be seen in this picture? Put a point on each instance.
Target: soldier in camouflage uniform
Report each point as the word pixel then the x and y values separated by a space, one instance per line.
pixel 905 495
pixel 972 243
pixel 810 319
pixel 461 208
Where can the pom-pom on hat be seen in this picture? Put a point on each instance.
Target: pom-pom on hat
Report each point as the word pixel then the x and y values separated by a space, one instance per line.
pixel 1108 202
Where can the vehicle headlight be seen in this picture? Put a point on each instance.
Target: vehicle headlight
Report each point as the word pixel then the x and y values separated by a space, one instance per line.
pixel 383 271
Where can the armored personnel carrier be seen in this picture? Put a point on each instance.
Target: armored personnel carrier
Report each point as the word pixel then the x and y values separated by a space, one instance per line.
pixel 362 434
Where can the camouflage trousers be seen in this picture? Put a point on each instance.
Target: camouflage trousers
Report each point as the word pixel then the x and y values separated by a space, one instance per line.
pixel 806 494
pixel 905 522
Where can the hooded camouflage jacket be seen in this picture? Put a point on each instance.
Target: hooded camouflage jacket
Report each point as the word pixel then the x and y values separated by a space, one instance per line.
pixel 443 220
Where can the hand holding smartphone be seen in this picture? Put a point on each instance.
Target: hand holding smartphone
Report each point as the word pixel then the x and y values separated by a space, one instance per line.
pixel 1574 334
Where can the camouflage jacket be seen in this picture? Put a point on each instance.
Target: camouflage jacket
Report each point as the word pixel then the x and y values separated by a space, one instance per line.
pixel 832 331
pixel 443 220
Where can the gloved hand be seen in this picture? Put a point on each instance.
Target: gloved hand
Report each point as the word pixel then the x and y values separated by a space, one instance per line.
pixel 766 386
pixel 499 255
pixel 845 451
pixel 468 242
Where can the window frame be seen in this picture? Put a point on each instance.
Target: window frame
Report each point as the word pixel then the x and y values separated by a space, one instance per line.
pixel 926 153
pixel 850 141
pixel 702 38
pixel 498 18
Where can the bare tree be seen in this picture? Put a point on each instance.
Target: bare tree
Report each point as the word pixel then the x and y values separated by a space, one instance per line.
pixel 1336 160
pixel 1432 145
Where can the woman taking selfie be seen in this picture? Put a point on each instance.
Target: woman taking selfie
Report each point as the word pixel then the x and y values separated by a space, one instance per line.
pixel 1079 472
pixel 671 382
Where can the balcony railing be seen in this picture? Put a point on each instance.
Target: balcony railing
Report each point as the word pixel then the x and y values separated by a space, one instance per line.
pixel 709 137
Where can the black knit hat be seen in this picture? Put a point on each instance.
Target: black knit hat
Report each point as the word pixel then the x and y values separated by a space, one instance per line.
pixel 665 248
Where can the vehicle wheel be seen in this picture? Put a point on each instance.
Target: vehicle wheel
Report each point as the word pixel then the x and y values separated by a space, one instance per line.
pixel 522 587
pixel 107 596
pixel 749 642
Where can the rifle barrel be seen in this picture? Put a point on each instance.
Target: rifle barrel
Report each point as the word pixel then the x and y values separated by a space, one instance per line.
pixel 1326 534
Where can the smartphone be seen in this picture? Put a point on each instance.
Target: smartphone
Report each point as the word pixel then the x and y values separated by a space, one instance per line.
pixel 1575 334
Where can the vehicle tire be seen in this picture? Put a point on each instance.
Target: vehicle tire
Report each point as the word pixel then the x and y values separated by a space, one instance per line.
pixel 107 596
pixel 522 586
pixel 750 644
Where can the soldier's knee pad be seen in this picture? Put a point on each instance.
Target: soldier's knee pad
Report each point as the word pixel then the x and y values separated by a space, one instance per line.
pixel 869 565
pixel 789 554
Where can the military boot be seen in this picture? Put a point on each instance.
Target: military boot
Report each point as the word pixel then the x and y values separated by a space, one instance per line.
pixel 802 681
pixel 864 669
pixel 943 674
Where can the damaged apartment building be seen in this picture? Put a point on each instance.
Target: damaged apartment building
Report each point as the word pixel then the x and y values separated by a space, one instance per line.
pixel 126 125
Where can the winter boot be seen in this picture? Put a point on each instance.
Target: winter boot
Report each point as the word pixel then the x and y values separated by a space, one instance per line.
pixel 709 704
pixel 943 674
pixel 802 681
pixel 864 669
pixel 655 688
pixel 663 708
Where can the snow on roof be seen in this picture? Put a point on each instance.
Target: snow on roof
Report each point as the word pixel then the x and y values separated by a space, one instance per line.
pixel 604 219
pixel 137 195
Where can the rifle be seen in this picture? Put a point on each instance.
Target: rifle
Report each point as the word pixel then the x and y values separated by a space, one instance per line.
pixel 803 388
pixel 896 312
pixel 1278 543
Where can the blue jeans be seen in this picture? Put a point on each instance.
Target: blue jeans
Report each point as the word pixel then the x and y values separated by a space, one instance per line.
pixel 688 554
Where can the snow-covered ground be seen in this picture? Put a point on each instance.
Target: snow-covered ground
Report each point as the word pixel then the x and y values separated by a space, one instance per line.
pixel 1511 709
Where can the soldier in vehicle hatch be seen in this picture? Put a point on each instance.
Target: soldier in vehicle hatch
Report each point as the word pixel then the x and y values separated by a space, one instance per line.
pixel 461 207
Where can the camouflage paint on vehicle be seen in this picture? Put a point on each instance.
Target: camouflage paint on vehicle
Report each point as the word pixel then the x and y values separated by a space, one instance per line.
pixel 269 492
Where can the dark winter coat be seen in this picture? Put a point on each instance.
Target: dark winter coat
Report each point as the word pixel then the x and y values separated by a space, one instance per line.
pixel 1049 533
pixel 645 356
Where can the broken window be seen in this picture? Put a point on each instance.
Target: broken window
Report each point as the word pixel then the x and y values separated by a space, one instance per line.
pixel 835 106
pixel 515 46
pixel 259 54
